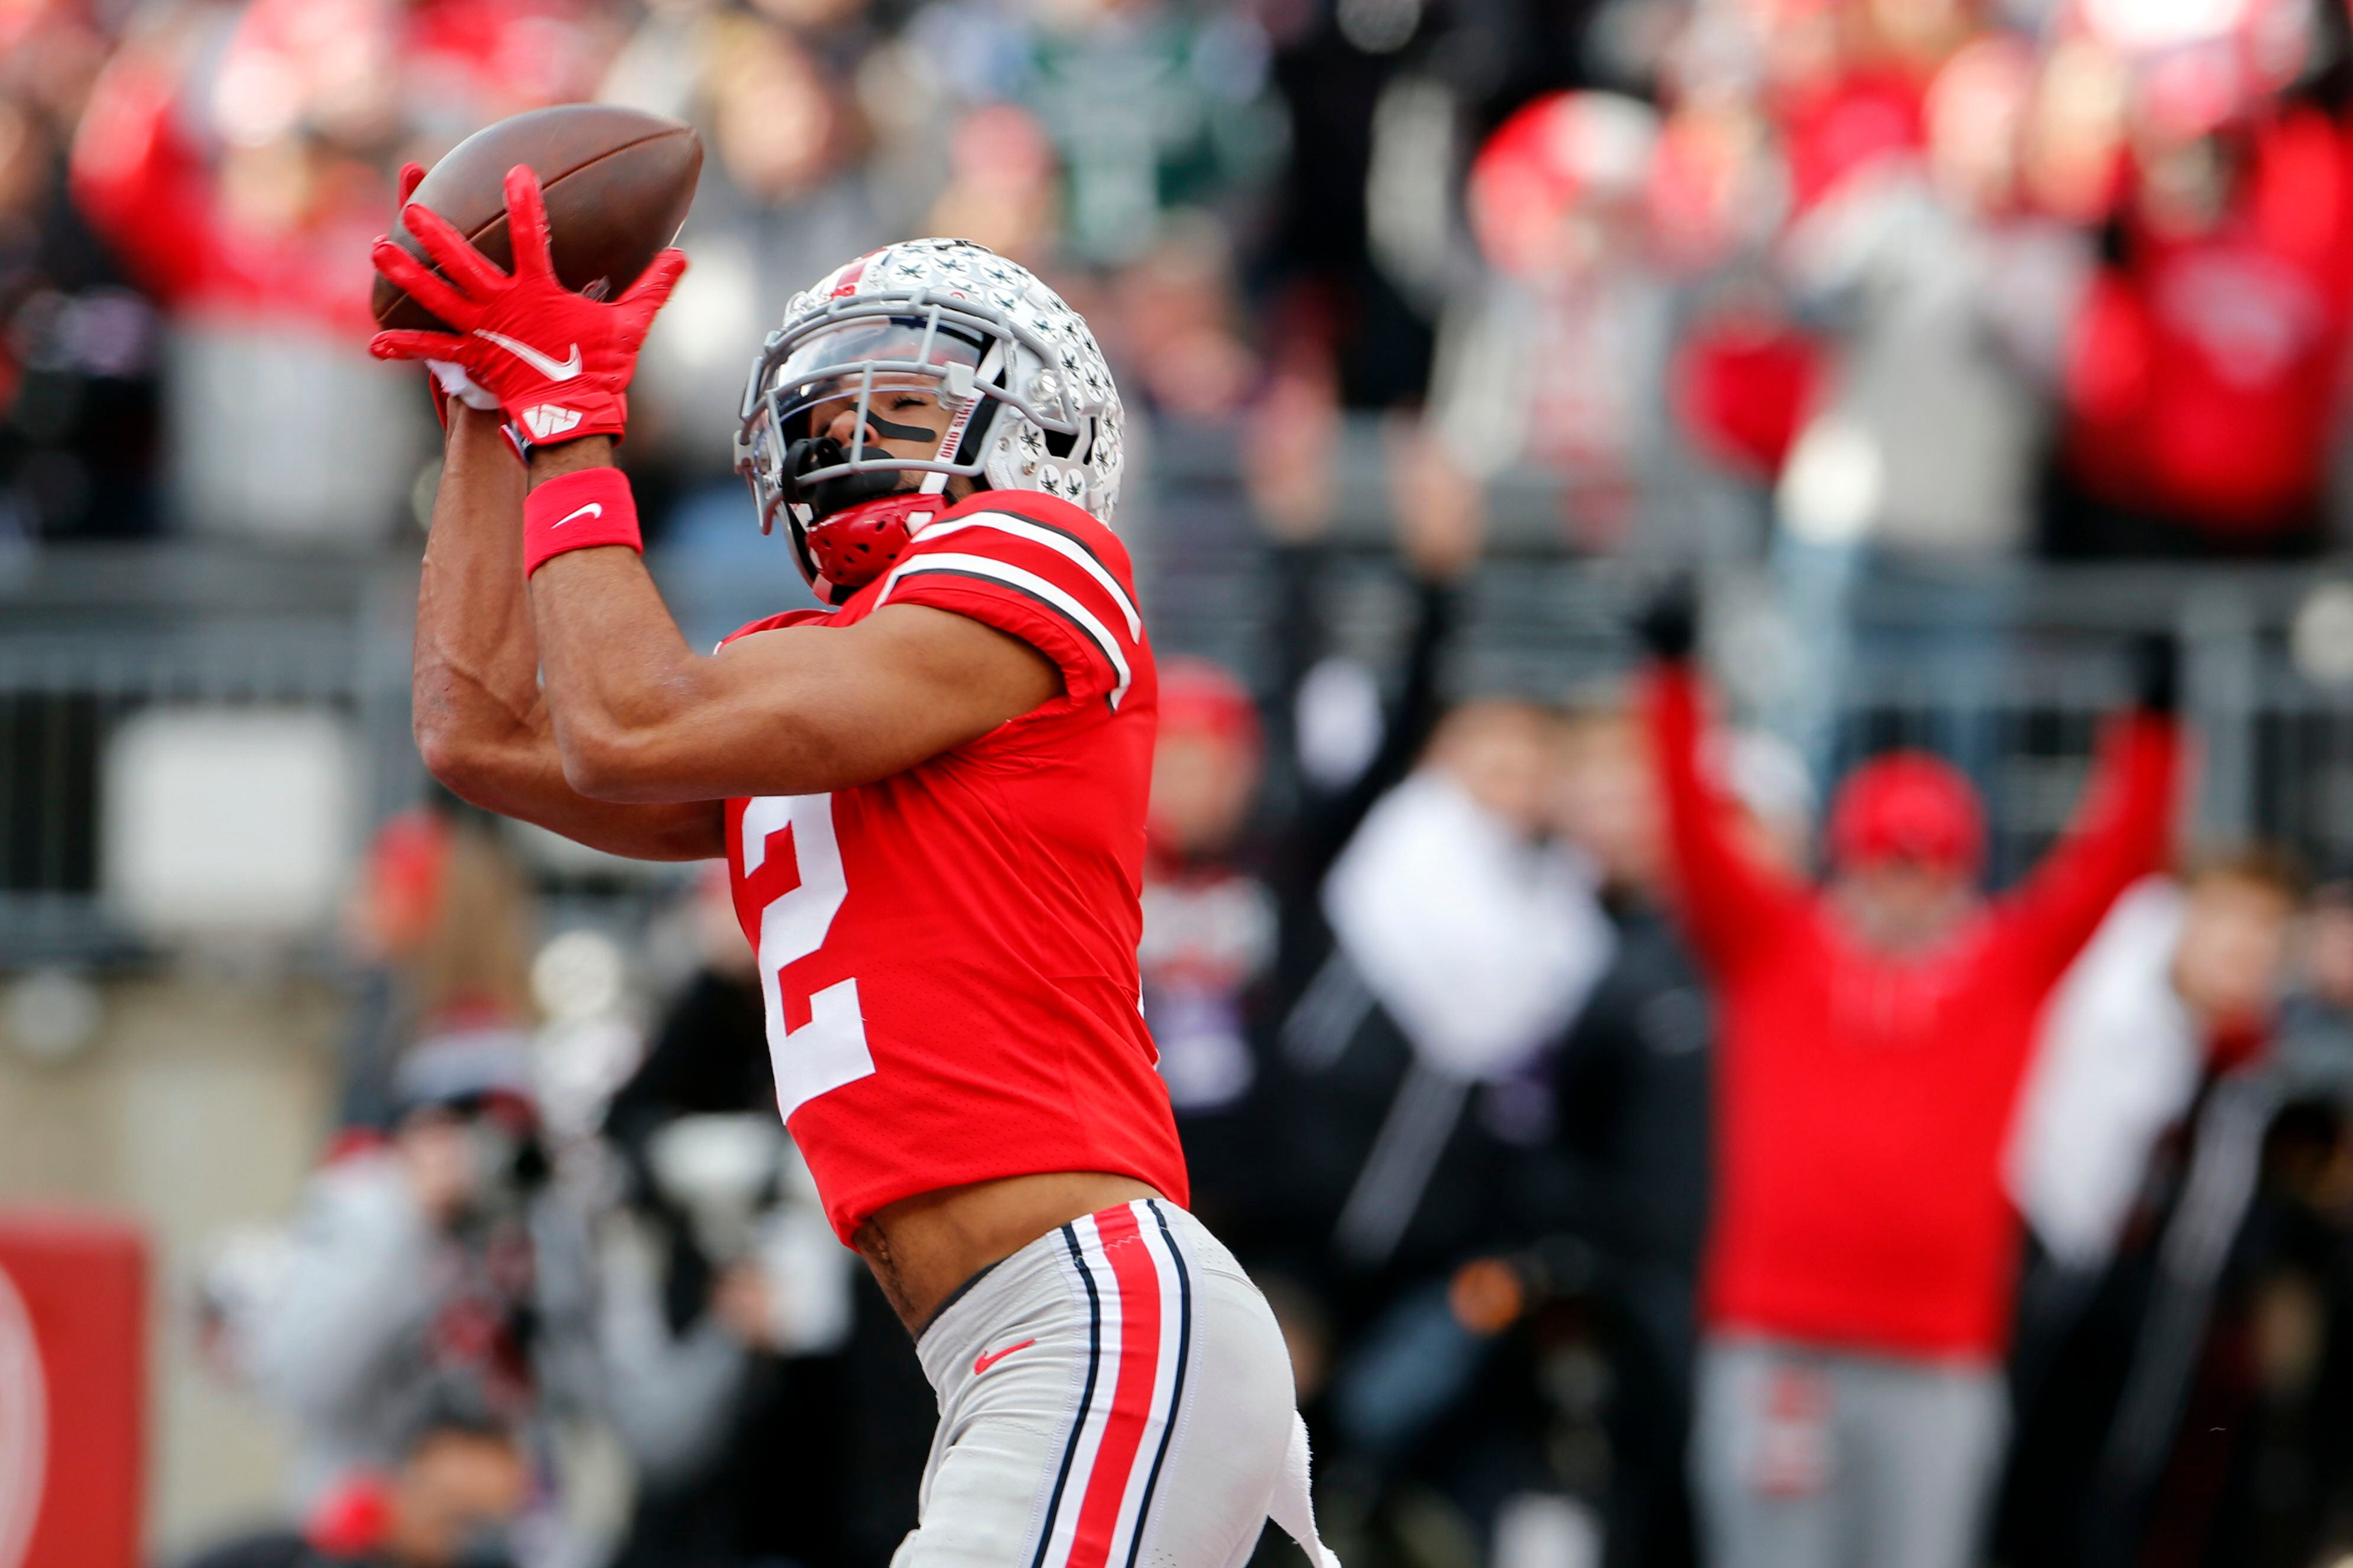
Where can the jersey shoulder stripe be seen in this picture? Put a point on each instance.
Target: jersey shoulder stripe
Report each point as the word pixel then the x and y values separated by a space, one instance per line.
pixel 1064 541
pixel 1005 576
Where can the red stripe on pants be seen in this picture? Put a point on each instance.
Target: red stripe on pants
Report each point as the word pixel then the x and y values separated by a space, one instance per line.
pixel 1138 1279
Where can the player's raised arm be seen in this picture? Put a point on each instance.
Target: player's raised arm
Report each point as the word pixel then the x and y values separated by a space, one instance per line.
pixel 639 716
pixel 480 722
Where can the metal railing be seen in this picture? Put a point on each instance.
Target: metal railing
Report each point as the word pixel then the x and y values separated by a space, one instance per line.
pixel 91 634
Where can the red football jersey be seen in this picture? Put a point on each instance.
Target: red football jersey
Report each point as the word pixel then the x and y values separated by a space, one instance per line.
pixel 948 954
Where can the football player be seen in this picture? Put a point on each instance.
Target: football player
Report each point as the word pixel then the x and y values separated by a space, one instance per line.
pixel 931 798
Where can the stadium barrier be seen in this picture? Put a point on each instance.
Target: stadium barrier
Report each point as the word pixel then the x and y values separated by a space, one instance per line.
pixel 2013 670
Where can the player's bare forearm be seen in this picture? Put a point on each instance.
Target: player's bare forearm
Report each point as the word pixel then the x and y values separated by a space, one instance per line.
pixel 475 680
pixel 639 716
pixel 480 721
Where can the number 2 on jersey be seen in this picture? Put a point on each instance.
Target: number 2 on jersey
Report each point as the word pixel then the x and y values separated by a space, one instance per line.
pixel 829 1051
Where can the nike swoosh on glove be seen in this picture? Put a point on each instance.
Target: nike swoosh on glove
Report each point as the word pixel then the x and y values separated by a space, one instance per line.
pixel 558 362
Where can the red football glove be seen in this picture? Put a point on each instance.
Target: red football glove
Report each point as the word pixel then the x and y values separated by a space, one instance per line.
pixel 450 379
pixel 557 362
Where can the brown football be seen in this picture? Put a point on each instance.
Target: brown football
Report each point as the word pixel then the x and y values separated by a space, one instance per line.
pixel 618 183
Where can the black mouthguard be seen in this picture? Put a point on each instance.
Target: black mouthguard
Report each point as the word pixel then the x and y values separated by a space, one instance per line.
pixel 827 497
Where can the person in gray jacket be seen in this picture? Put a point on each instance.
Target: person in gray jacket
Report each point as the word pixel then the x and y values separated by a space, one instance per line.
pixel 439 1260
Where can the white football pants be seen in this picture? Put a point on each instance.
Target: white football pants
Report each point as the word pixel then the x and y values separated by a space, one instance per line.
pixel 1115 1394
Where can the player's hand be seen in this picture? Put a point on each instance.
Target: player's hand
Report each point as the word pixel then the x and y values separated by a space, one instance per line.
pixel 1669 624
pixel 449 378
pixel 558 362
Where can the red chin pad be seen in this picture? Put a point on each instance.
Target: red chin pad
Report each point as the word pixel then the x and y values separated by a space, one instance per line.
pixel 857 544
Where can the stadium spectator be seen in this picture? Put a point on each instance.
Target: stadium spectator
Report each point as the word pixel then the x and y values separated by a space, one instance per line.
pixel 1935 295
pixel 1210 926
pixel 78 346
pixel 439 932
pixel 1874 1037
pixel 2202 379
pixel 1332 746
pixel 1462 945
pixel 1554 360
pixel 791 185
pixel 1450 891
pixel 1634 1082
pixel 1150 108
pixel 2182 973
pixel 2227 1369
pixel 1005 184
pixel 2317 1015
pixel 437 1265
pixel 236 160
pixel 1255 793
pixel 252 236
pixel 1178 336
pixel 2177 991
pixel 449 1502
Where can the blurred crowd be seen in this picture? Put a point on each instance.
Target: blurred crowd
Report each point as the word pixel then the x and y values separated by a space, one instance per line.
pixel 1659 1147
pixel 1870 285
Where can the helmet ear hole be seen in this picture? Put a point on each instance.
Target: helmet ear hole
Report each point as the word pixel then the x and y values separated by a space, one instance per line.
pixel 1059 445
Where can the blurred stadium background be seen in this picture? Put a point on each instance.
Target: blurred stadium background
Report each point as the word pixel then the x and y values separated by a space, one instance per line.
pixel 1949 342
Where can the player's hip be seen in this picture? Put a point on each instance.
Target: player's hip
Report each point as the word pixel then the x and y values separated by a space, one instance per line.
pixel 1116 1392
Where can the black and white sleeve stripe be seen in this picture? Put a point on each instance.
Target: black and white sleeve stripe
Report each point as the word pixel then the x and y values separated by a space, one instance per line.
pixel 1027 584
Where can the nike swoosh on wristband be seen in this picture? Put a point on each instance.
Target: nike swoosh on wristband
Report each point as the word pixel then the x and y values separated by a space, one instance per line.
pixel 981 1363
pixel 594 508
pixel 553 369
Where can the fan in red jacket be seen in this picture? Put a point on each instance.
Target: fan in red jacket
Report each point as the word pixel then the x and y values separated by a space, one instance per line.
pixel 2203 370
pixel 1875 1037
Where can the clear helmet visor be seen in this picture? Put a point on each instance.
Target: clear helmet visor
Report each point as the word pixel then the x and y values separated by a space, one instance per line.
pixel 895 392
pixel 908 345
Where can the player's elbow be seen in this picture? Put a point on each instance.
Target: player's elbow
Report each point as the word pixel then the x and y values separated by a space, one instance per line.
pixel 460 762
pixel 609 762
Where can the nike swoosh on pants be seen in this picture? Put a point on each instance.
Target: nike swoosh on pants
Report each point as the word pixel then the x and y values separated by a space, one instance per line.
pixel 981 1363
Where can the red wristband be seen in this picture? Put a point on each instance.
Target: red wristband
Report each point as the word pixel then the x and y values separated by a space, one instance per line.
pixel 578 510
